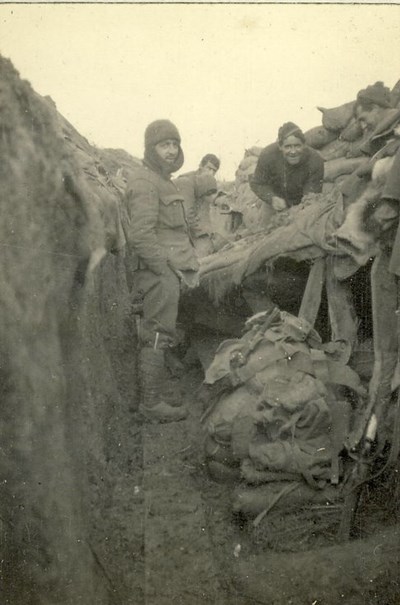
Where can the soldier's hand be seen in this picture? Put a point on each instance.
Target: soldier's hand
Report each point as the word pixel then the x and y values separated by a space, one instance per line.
pixel 195 281
pixel 179 275
pixel 191 279
pixel 278 203
pixel 188 279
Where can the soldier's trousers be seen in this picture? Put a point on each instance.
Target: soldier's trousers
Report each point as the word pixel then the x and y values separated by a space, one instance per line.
pixel 160 307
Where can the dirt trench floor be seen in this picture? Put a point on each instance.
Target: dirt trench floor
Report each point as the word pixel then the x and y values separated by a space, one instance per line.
pixel 165 534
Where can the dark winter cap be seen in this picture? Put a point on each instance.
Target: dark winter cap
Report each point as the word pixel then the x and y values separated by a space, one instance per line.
pixel 288 129
pixel 160 130
pixel 376 93
pixel 210 157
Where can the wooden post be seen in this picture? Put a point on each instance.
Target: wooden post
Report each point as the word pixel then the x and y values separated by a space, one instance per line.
pixel 342 315
pixel 311 300
pixel 385 326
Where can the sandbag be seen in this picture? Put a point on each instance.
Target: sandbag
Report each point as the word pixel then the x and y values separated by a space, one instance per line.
pixel 352 132
pixel 238 403
pixel 395 94
pixel 252 501
pixel 319 136
pixel 246 168
pixel 337 118
pixel 256 215
pixel 255 150
pixel 242 176
pixel 340 166
pixel 335 149
pixel 295 456
pixel 221 473
pixel 248 161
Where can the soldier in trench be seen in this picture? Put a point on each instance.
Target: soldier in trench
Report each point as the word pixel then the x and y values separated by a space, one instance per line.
pixel 287 170
pixel 199 194
pixel 379 121
pixel 209 164
pixel 156 231
pixel 376 115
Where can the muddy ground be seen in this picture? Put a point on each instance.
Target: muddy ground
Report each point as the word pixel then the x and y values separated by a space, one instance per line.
pixel 163 532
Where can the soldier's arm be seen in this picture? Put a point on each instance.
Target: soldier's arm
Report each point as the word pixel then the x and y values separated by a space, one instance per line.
pixel 142 205
pixel 260 181
pixel 316 177
pixel 186 188
pixel 391 190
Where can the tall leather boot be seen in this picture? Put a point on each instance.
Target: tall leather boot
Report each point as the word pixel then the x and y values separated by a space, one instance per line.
pixel 153 405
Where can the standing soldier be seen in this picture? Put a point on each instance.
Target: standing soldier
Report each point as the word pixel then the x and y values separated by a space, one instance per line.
pixel 157 233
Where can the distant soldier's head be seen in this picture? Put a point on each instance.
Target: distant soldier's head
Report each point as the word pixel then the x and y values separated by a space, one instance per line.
pixel 371 105
pixel 209 164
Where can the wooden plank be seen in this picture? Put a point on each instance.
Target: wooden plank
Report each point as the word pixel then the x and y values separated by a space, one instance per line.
pixel 385 330
pixel 384 304
pixel 342 315
pixel 311 300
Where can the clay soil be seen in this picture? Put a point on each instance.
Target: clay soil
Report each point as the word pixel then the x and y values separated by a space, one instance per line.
pixel 164 533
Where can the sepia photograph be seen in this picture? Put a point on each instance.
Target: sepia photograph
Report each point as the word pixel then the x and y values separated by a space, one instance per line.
pixel 199 324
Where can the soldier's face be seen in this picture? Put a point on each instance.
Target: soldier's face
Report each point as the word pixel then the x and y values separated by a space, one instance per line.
pixel 369 119
pixel 292 149
pixel 168 150
pixel 208 168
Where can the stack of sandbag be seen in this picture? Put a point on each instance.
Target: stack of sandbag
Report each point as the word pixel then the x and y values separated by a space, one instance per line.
pixel 247 165
pixel 340 140
pixel 273 401
pixel 255 214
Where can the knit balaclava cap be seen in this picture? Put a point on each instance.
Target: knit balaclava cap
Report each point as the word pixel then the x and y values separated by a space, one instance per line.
pixel 156 132
pixel 376 93
pixel 288 129
pixel 160 130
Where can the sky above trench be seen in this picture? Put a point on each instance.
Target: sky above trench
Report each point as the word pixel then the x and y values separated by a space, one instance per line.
pixel 227 75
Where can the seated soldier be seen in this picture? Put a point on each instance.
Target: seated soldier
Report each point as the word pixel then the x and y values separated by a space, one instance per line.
pixel 287 170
